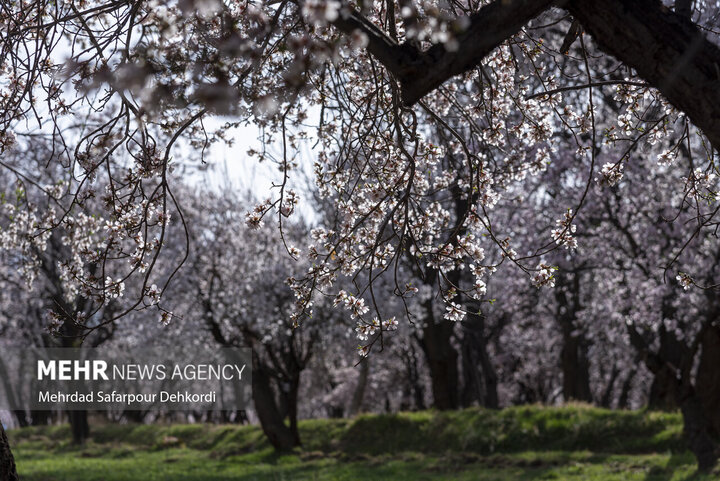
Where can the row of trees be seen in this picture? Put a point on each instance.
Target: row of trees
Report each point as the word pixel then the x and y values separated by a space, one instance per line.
pixel 611 331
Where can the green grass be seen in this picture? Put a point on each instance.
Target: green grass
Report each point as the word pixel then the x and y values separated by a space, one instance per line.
pixel 523 443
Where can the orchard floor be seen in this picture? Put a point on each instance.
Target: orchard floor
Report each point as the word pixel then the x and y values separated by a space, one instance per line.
pixel 191 465
pixel 529 443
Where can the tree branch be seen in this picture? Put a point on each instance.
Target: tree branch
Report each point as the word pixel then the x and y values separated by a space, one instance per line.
pixel 399 59
pixel 489 28
pixel 667 50
pixel 421 72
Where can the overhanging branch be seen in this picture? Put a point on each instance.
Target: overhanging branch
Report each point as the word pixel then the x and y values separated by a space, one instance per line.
pixel 419 73
pixel 665 48
pixel 489 28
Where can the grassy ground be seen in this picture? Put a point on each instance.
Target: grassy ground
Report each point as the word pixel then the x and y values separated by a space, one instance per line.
pixel 526 443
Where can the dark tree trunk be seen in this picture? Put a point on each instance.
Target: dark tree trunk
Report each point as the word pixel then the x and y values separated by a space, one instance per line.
pixel 442 362
pixel 708 376
pixel 41 417
pixel 471 391
pixel 336 412
pixel 241 417
pixel 674 353
pixel 414 392
pixel 479 376
pixel 7 462
pixel 696 429
pixel 574 353
pixel 662 390
pixel 79 426
pixel 271 420
pixel 21 417
pixel 292 404
pixel 696 423
pixel 491 399
pixel 576 369
pixel 359 392
pixel 135 416
pixel 71 338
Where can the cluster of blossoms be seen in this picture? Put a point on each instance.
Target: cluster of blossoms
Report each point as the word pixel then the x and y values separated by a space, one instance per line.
pixel 684 280
pixel 356 305
pixel 289 202
pixel 114 289
pixel 383 192
pixel 610 174
pixel 320 12
pixel 254 219
pixel 563 233
pixel 26 231
pixel 700 183
pixel 454 312
pixel 166 317
pixel 365 331
pixel 425 22
pixel 633 121
pixel 544 276
pixel 667 157
pixel 153 294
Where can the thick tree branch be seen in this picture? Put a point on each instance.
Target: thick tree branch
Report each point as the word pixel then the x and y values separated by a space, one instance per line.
pixel 421 72
pixel 665 49
pixel 7 462
pixel 684 8
pixel 489 28
pixel 400 60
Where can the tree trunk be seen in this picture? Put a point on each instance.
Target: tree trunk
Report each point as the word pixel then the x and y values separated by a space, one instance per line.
pixel 21 417
pixel 695 430
pixel 71 338
pixel 271 420
pixel 79 426
pixel 662 390
pixel 624 399
pixel 135 416
pixel 674 362
pixel 41 417
pixel 674 353
pixel 241 417
pixel 708 377
pixel 471 391
pixel 292 403
pixel 359 392
pixel 575 368
pixel 442 362
pixel 7 462
pixel 573 355
pixel 490 399
pixel 479 376
pixel 413 390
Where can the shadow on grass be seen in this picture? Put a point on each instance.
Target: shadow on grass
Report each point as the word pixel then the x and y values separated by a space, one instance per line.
pixel 676 461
